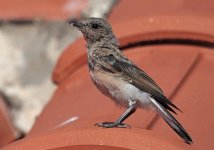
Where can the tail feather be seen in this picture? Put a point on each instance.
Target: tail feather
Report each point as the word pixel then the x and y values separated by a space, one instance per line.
pixel 172 122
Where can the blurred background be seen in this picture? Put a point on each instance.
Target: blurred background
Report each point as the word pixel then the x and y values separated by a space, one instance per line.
pixel 32 36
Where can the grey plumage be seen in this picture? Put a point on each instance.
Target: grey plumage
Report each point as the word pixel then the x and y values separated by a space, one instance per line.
pixel 120 79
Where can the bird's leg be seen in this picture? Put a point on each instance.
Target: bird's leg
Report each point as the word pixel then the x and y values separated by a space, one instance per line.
pixel 118 123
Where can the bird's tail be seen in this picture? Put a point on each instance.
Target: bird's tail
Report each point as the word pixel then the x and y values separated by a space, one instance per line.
pixel 172 122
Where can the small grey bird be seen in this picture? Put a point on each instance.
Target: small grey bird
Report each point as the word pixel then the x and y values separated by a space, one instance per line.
pixel 120 79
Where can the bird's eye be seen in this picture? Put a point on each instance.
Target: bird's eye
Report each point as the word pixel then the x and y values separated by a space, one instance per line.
pixel 95 26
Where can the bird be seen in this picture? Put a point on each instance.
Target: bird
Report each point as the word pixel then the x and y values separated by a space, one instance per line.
pixel 120 79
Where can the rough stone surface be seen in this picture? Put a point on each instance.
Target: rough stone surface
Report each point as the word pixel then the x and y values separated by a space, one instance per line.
pixel 99 8
pixel 28 52
pixel 27 56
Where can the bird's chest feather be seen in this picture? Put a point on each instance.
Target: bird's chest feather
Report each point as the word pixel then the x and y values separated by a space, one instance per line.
pixel 114 87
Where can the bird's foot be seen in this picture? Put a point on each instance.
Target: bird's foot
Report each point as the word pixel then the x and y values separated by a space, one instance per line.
pixel 112 125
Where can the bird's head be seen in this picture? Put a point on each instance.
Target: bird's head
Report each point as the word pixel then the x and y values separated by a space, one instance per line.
pixel 94 30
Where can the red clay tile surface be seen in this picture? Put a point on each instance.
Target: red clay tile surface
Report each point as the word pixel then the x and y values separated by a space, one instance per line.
pixel 69 139
pixel 7 132
pixel 41 9
pixel 127 10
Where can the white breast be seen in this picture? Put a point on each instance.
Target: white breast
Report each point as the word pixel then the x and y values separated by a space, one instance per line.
pixel 119 90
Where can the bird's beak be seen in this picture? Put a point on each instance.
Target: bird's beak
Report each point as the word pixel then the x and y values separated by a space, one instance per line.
pixel 74 22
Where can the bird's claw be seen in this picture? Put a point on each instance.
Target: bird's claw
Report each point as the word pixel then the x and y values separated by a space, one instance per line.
pixel 112 125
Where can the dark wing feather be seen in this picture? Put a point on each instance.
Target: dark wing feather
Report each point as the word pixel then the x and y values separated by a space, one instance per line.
pixel 136 77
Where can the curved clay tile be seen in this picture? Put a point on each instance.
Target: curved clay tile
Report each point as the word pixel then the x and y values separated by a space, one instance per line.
pixel 7 132
pixel 41 9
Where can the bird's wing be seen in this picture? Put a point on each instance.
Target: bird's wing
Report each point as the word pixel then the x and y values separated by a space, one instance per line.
pixel 119 65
